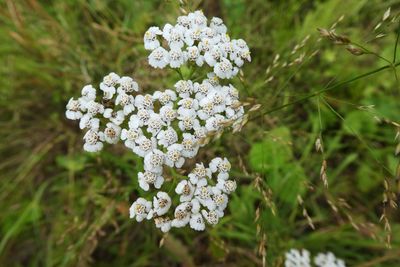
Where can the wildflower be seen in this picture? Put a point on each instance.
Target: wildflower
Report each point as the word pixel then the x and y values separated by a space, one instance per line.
pixel 167 137
pixel 197 222
pixel 222 166
pixel 173 156
pixel 175 58
pixel 165 98
pixel 147 178
pixel 73 110
pixel 93 141
pixel 186 190
pixel 130 136
pixel 158 58
pixel 150 38
pixel 210 216
pixel 112 133
pixel 161 203
pixel 199 175
pixel 164 223
pixel 296 258
pixel 88 93
pixel 127 85
pixel 108 85
pixel 154 161
pixel 328 260
pixel 145 146
pixel 139 209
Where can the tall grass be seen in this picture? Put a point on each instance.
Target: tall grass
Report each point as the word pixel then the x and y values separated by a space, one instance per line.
pixel 63 207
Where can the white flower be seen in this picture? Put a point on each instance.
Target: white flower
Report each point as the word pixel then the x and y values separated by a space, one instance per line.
pixel 144 102
pixel 191 36
pixel 222 166
pixel 155 124
pixel 203 195
pixel 184 88
pixel 202 89
pixel 218 25
pixel 186 190
pixel 127 85
pixel 198 176
pixel 164 223
pixel 108 85
pixel 197 19
pixel 116 117
pixel 226 186
pixel 150 38
pixel 220 199
pixel 140 118
pixel 146 178
pixel 182 215
pixel 328 260
pixel 193 54
pixel 213 56
pixel 88 93
pixel 158 58
pixel 210 216
pixel 190 145
pixel 224 69
pixel 173 156
pixel 175 37
pixel 126 101
pixel 112 133
pixel 165 98
pixel 168 114
pixel 183 21
pixel 200 132
pixel 73 110
pixel 213 79
pixel 161 203
pixel 167 137
pixel 130 136
pixel 144 146
pixel 175 58
pixel 139 209
pixel 154 161
pixel 296 258
pixel 93 108
pixel 93 141
pixel 187 105
pixel 215 123
pixel 197 222
pixel 207 109
pixel 188 121
pixel 88 122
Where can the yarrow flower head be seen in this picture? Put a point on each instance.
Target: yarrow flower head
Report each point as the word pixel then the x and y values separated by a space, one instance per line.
pixel 193 39
pixel 169 126
pixel 302 258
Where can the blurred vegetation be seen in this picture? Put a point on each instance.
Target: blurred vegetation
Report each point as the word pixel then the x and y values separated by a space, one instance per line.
pixel 61 206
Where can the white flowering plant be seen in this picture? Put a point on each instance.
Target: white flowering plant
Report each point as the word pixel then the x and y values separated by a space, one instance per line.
pixel 167 127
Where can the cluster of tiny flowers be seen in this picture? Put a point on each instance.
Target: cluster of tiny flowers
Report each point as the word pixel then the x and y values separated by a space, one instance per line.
pixel 168 127
pixel 202 199
pixel 164 128
pixel 301 258
pixel 195 41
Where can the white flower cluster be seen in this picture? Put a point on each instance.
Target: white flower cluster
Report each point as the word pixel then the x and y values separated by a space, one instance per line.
pixel 167 127
pixel 202 199
pixel 195 41
pixel 301 258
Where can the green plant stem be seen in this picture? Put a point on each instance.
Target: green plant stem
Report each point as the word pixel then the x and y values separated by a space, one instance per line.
pixel 396 44
pixel 335 86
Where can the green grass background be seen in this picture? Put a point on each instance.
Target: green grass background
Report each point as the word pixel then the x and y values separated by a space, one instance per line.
pixel 60 206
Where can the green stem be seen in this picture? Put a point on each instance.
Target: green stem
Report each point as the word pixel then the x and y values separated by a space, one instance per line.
pixel 329 88
pixel 395 45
